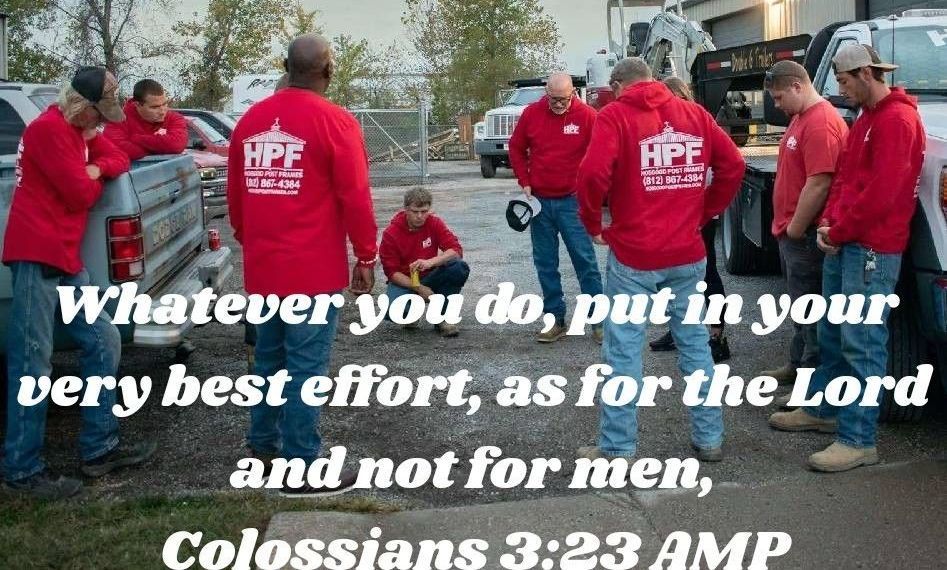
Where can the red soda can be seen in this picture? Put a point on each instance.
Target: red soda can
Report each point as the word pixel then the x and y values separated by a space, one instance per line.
pixel 213 239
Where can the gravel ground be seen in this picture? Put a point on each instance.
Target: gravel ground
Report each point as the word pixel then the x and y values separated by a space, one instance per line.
pixel 199 446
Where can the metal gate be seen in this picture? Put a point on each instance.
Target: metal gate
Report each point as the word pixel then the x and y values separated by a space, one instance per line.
pixel 397 141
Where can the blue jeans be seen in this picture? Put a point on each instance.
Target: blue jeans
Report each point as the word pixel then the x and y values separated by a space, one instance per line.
pixel 561 216
pixel 622 351
pixel 854 350
pixel 33 317
pixel 447 279
pixel 291 430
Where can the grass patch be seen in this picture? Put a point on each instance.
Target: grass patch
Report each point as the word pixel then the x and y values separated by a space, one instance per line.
pixel 103 534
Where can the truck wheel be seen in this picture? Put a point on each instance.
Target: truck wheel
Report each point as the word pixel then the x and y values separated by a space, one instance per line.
pixel 906 350
pixel 488 168
pixel 739 253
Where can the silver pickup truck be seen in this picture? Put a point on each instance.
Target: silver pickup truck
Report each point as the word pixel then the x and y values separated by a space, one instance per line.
pixel 148 227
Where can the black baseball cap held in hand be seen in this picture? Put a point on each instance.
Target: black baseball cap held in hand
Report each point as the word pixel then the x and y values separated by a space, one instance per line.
pixel 520 212
pixel 100 88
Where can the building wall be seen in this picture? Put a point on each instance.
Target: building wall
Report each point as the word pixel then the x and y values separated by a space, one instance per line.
pixel 714 9
pixel 792 17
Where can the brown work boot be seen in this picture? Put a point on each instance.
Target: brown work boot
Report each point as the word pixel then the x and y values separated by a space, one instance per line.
pixel 799 420
pixel 782 402
pixel 589 452
pixel 785 374
pixel 447 330
pixel 840 457
pixel 552 335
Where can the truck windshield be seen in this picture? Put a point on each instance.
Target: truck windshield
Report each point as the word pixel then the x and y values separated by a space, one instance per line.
pixel 523 97
pixel 921 53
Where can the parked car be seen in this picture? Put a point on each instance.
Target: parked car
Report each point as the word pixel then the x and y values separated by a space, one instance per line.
pixel 147 227
pixel 202 136
pixel 221 122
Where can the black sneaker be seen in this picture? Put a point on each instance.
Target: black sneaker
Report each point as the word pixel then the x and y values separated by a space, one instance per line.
pixel 346 483
pixel 663 343
pixel 267 459
pixel 123 455
pixel 45 486
pixel 719 348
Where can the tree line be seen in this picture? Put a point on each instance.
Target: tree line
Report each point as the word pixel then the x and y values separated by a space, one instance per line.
pixel 459 53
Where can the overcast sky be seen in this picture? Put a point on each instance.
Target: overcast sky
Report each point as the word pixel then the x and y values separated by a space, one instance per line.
pixel 581 23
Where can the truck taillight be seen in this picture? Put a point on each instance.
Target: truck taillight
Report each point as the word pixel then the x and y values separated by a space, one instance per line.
pixel 943 190
pixel 126 249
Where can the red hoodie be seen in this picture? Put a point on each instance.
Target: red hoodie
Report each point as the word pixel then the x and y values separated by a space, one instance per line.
pixel 546 148
pixel 138 138
pixel 54 194
pixel 401 246
pixel 874 194
pixel 649 155
pixel 298 185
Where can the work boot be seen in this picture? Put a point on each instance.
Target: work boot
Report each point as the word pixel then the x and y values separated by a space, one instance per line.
pixel 266 459
pixel 589 452
pixel 123 455
pixel 663 343
pixel 708 454
pixel 447 330
pixel 782 402
pixel 719 348
pixel 800 420
pixel 45 486
pixel 840 457
pixel 785 374
pixel 552 335
pixel 598 333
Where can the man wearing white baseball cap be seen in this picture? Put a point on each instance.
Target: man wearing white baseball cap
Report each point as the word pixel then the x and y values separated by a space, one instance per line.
pixel 863 231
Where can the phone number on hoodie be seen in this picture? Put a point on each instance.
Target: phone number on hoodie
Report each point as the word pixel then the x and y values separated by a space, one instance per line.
pixel 521 551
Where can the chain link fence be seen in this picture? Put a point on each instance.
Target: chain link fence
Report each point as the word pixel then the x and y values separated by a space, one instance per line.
pixel 396 140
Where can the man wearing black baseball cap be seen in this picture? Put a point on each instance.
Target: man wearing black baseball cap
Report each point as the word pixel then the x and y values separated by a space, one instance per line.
pixel 864 230
pixel 62 164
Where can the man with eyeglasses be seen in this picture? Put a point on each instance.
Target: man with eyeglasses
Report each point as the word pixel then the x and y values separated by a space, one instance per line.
pixel 546 148
pixel 808 153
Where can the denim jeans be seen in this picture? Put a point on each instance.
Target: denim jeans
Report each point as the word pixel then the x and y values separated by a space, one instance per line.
pixel 561 216
pixel 33 317
pixel 622 351
pixel 447 279
pixel 802 265
pixel 291 430
pixel 854 350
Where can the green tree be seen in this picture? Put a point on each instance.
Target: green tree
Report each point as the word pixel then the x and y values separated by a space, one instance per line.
pixel 234 38
pixel 472 48
pixel 29 61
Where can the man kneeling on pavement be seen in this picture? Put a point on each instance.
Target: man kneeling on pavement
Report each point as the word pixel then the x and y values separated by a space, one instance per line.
pixel 421 255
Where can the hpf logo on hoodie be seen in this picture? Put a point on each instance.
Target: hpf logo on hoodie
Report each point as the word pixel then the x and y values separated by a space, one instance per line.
pixel 271 162
pixel 672 160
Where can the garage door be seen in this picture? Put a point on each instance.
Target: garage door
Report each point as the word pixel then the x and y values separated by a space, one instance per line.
pixel 882 8
pixel 737 29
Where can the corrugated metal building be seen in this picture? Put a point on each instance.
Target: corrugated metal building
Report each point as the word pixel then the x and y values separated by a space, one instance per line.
pixel 736 22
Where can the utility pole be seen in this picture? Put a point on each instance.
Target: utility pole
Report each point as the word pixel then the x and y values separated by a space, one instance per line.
pixel 3 47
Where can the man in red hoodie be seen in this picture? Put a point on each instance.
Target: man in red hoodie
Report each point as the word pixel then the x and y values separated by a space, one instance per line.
pixel 864 231
pixel 649 155
pixel 62 165
pixel 421 255
pixel 545 150
pixel 150 127
pixel 298 187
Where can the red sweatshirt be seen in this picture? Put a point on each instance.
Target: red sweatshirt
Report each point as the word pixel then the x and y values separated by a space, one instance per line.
pixel 138 138
pixel 401 246
pixel 54 193
pixel 874 194
pixel 298 184
pixel 546 148
pixel 649 155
